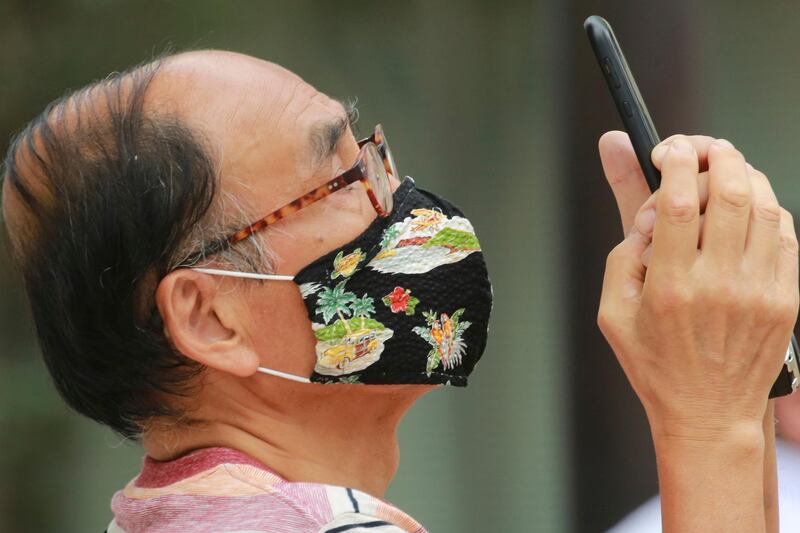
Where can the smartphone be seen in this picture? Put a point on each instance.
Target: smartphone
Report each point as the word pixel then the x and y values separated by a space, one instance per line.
pixel 644 138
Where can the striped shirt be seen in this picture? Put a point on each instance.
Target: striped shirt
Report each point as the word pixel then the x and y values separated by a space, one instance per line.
pixel 224 490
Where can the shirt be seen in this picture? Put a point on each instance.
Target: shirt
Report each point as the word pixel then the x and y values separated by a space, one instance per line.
pixel 224 490
pixel 647 517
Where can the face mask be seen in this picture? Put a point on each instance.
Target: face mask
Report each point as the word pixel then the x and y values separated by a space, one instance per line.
pixel 406 302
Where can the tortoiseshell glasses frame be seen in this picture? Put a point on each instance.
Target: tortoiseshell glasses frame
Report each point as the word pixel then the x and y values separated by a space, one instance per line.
pixel 373 168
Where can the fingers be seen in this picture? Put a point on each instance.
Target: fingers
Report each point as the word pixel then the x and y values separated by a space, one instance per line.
pixel 624 175
pixel 677 211
pixel 702 191
pixel 786 271
pixel 728 210
pixel 648 253
pixel 624 275
pixel 701 144
pixel 761 247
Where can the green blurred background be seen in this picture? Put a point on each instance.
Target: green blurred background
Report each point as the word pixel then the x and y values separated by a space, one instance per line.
pixel 497 105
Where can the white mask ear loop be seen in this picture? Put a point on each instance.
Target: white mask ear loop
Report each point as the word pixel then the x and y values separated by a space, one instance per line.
pixel 249 275
pixel 253 275
pixel 284 375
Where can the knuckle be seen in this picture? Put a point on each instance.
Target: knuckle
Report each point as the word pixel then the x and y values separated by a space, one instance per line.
pixel 768 214
pixel 680 209
pixel 705 139
pixel 788 243
pixel 733 195
pixel 788 235
pixel 766 308
pixel 721 293
pixel 682 159
pixel 724 148
pixel 604 318
pixel 670 298
pixel 780 309
pixel 608 321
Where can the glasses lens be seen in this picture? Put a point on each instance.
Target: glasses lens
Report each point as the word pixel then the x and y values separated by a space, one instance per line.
pixel 380 140
pixel 378 178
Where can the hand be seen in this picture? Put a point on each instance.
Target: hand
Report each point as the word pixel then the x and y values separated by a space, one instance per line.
pixel 702 332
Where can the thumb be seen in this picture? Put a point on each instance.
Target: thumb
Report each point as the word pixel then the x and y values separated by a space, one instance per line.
pixel 624 175
pixel 625 272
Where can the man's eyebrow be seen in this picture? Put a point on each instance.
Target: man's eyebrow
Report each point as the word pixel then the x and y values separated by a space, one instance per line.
pixel 325 135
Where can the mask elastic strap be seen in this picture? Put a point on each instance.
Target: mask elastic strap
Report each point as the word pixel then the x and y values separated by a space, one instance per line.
pixel 249 275
pixel 253 275
pixel 283 375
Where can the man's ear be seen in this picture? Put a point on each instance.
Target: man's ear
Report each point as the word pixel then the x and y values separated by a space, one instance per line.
pixel 202 322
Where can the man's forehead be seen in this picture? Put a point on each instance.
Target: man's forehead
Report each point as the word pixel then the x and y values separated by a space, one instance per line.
pixel 250 104
pixel 237 87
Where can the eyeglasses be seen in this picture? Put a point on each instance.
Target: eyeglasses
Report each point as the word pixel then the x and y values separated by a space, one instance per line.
pixel 379 139
pixel 373 168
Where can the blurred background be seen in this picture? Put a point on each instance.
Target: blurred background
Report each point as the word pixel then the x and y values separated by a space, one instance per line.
pixel 496 105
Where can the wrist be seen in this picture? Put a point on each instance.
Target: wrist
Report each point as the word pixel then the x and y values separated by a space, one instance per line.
pixel 707 422
pixel 732 438
pixel 711 480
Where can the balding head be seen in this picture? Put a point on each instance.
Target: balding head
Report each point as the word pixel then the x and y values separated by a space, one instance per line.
pixel 98 193
pixel 112 187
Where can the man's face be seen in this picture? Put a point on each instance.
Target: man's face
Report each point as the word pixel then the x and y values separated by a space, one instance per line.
pixel 271 132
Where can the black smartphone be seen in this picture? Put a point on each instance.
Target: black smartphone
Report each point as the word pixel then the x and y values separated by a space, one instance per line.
pixel 633 112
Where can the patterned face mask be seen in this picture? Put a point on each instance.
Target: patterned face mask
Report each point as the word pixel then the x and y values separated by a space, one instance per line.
pixel 406 302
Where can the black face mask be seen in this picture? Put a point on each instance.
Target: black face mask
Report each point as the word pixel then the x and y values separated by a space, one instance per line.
pixel 406 302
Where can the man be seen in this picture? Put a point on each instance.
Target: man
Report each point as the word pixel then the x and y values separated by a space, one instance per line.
pixel 204 241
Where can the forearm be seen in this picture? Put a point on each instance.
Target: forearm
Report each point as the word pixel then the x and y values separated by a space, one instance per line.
pixel 714 483
pixel 770 471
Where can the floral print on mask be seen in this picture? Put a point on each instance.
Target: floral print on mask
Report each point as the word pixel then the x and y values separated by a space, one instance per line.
pixel 365 300
pixel 423 242
pixel 444 334
pixel 400 300
pixel 353 341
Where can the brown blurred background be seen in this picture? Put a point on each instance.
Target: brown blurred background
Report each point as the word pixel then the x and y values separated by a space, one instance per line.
pixel 495 104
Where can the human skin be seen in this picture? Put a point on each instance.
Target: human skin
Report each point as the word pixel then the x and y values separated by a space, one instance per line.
pixel 725 286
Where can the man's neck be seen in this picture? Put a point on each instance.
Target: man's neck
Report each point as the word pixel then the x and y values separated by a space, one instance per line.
pixel 334 434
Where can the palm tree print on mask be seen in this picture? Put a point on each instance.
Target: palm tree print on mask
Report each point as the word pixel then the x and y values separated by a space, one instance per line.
pixel 348 344
pixel 335 302
pixel 362 307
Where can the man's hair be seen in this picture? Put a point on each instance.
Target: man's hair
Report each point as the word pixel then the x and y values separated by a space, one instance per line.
pixel 111 197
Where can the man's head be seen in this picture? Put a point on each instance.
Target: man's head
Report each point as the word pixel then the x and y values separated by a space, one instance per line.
pixel 114 186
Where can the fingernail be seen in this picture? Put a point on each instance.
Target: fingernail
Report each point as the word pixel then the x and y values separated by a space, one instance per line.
pixel 681 145
pixel 645 222
pixel 659 151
